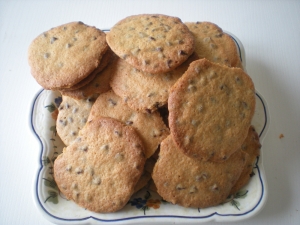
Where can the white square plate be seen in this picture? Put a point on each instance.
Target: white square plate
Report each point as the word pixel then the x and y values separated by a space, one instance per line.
pixel 145 207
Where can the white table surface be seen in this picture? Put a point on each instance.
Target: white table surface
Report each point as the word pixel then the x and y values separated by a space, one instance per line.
pixel 269 31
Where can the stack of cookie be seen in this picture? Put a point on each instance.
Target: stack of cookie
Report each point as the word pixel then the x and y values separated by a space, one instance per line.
pixel 151 86
pixel 210 111
pixel 68 56
pixel 154 51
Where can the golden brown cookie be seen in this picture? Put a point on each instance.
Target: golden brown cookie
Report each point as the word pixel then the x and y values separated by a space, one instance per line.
pixel 150 127
pixel 99 85
pixel 100 169
pixel 210 110
pixel 153 43
pixel 82 84
pixel 65 55
pixel 145 92
pixel 190 182
pixel 213 44
pixel 251 147
pixel 72 116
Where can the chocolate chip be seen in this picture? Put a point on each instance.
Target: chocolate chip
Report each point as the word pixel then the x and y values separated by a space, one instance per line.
pixel 119 157
pixel 238 80
pixel 245 105
pixel 118 133
pixel 74 110
pixel 168 43
pixel 200 107
pixel 150 94
pixel 96 180
pixel 179 187
pixel 53 39
pixel 112 102
pixel 78 170
pixel 146 62
pixel 214 187
pixel 68 168
pixel 74 186
pixel 195 123
pixel 181 52
pixel 142 34
pixel 206 39
pixel 156 133
pixel 135 51
pixel 63 122
pixel 124 56
pixel 84 148
pixel 169 61
pixel 193 189
pixel 203 176
pixel 75 194
pixel 90 99
pixel 46 55
pixel 192 88
pixel 213 46
pixel 104 147
pixel 244 147
pixel 197 69
pixel 159 49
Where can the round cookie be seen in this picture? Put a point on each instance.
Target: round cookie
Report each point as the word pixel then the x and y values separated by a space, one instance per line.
pixel 153 43
pixel 150 127
pixel 145 92
pixel 99 85
pixel 104 62
pixel 100 169
pixel 65 55
pixel 190 182
pixel 251 147
pixel 210 110
pixel 72 116
pixel 213 44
